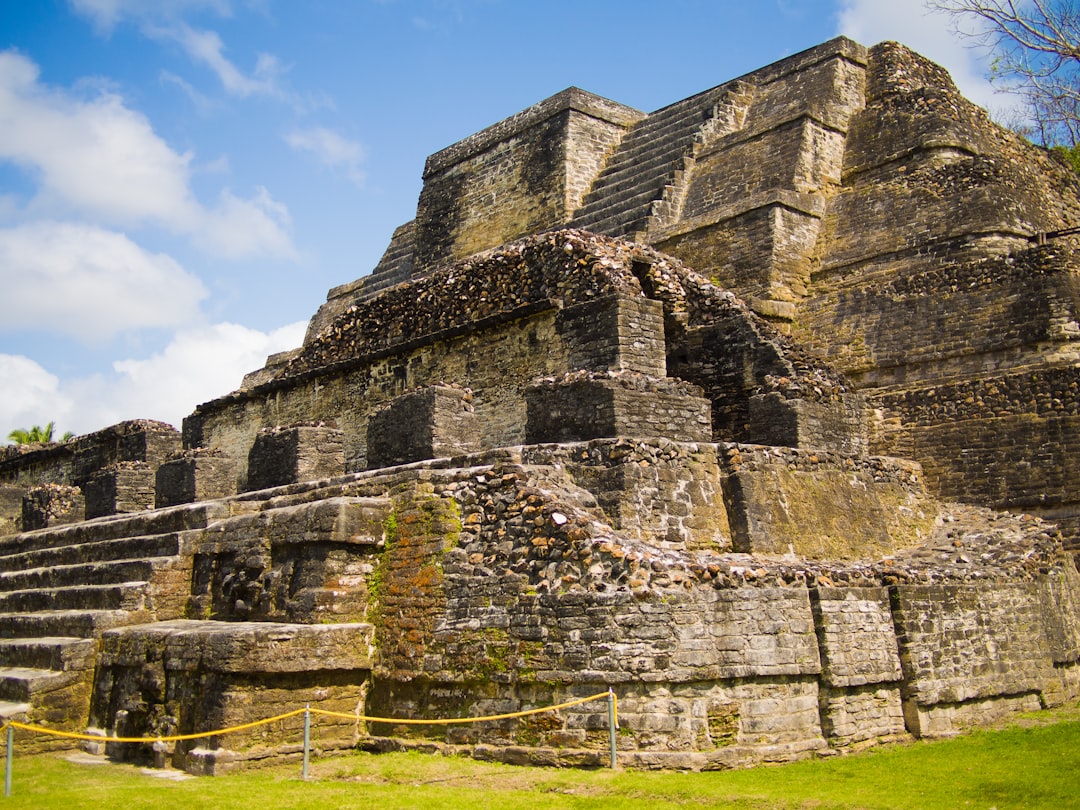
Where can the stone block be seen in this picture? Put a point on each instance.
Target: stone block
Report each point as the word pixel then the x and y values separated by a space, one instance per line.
pixel 288 455
pixel 856 637
pixel 836 424
pixel 11 500
pixel 960 643
pixel 783 500
pixel 615 333
pixel 135 441
pixel 52 505
pixel 194 476
pixel 861 714
pixel 188 676
pixel 120 489
pixel 432 422
pixel 667 493
pixel 581 406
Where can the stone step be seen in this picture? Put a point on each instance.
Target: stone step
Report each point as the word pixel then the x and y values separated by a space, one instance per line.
pixel 660 131
pixel 66 623
pixel 676 118
pixel 639 199
pixel 13 711
pixel 675 135
pixel 58 653
pixel 152 522
pixel 648 158
pixel 141 547
pixel 630 183
pixel 601 221
pixel 113 596
pixel 108 572
pixel 619 223
pixel 624 172
pixel 379 285
pixel 20 684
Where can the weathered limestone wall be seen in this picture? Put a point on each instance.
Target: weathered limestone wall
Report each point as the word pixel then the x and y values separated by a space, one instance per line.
pixel 524 175
pixel 350 396
pixel 508 323
pixel 308 562
pixel 931 299
pixel 755 197
pixel 185 676
pixel 666 493
pixel 787 501
pixel 524 576
pixel 859 695
pixel 72 462
pixel 905 328
pixel 48 505
pixel 11 498
pixel 497 595
pixel 943 629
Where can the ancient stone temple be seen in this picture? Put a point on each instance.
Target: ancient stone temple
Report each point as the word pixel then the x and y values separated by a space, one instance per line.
pixel 761 410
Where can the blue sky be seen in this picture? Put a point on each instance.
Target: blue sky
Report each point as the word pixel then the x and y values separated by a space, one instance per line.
pixel 181 181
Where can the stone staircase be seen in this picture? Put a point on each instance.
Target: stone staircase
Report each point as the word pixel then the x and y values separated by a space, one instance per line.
pixel 61 587
pixel 652 159
pixel 93 625
pixel 395 266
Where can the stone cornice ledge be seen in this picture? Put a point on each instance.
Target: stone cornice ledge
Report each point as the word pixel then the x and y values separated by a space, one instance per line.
pixel 572 98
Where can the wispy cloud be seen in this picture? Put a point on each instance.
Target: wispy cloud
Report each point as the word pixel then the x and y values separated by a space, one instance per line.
pixel 198 364
pixel 331 149
pixel 102 161
pixel 107 14
pixel 206 48
pixel 90 283
pixel 203 103
pixel 164 20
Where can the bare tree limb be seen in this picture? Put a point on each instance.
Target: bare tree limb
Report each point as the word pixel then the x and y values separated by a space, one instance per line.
pixel 1036 55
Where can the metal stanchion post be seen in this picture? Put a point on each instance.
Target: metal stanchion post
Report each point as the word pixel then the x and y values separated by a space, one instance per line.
pixel 307 738
pixel 10 756
pixel 611 722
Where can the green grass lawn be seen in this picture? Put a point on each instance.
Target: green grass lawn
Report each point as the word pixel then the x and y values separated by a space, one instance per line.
pixel 1033 763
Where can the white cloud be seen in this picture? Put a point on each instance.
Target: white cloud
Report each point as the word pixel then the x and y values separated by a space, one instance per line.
pixel 106 14
pixel 237 228
pixel 201 102
pixel 103 161
pixel 199 364
pixel 162 20
pixel 90 283
pixel 206 48
pixel 928 33
pixel 331 149
pixel 92 156
pixel 30 396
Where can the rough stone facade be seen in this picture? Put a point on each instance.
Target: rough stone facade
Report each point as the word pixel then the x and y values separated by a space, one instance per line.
pixel 709 406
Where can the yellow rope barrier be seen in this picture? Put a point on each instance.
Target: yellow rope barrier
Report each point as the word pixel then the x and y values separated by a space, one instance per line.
pixel 74 735
pixel 448 721
pixel 307 711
